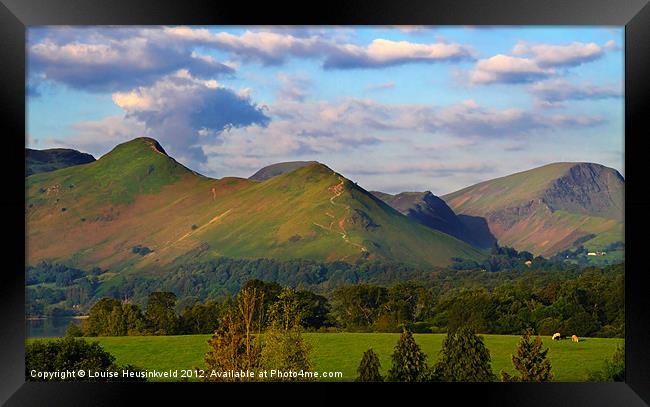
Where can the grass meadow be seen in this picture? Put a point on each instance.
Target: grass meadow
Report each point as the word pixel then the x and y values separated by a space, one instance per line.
pixel 342 352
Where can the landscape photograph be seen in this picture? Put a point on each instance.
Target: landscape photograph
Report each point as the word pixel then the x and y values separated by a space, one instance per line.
pixel 324 203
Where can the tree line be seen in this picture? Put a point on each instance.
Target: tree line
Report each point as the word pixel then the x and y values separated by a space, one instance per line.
pixel 56 289
pixel 590 304
pixel 113 317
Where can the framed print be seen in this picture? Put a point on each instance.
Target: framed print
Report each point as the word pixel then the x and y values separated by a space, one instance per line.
pixel 447 198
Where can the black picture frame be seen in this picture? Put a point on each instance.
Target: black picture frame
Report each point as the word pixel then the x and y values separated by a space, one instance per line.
pixel 16 15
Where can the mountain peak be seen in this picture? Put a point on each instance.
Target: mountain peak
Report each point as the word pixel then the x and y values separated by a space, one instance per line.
pixel 140 144
pixel 562 202
pixel 276 169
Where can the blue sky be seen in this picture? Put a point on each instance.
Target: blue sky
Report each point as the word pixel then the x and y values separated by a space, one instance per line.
pixel 393 108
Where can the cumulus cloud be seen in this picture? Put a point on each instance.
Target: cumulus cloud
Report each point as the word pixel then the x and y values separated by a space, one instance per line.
pixel 114 58
pixel 181 111
pixel 272 48
pixel 535 62
pixel 552 91
pixel 381 53
pixel 118 59
pixel 572 54
pixel 508 69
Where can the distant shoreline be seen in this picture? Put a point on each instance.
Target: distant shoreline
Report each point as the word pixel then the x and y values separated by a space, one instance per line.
pixel 44 318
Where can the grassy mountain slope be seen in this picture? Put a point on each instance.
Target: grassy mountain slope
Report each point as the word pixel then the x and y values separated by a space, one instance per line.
pixel 94 215
pixel 546 209
pixel 37 161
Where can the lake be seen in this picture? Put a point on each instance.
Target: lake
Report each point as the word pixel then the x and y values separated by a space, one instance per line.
pixel 48 327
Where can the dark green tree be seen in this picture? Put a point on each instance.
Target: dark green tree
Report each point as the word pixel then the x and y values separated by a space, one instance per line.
pixel 200 318
pixel 134 319
pixel 97 323
pixel 74 330
pixel 369 368
pixel 117 322
pixel 409 362
pixel 314 309
pixel 530 361
pixel 160 314
pixel 70 354
pixel 464 358
pixel 358 306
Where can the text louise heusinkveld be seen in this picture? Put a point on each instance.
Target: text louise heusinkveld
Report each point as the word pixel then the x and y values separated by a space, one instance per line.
pixel 272 374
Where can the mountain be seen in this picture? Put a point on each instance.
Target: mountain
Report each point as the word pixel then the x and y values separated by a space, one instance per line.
pixel 137 207
pixel 431 211
pixel 53 159
pixel 274 170
pixel 548 209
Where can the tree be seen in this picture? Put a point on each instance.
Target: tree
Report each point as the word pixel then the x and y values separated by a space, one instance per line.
pixel 233 347
pixel 358 306
pixel 134 320
pixel 464 358
pixel 73 330
pixel 369 368
pixel 110 317
pixel 70 354
pixel 117 322
pixel 314 309
pixel 249 302
pixel 268 293
pixel 97 323
pixel 530 361
pixel 200 318
pixel 409 362
pixel 284 348
pixel 470 308
pixel 160 313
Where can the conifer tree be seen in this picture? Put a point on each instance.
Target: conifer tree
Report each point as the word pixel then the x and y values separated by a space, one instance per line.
pixel 369 368
pixel 464 358
pixel 530 361
pixel 409 362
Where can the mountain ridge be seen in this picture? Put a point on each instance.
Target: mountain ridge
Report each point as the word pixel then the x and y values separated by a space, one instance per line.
pixel 37 161
pixel 547 209
pixel 136 196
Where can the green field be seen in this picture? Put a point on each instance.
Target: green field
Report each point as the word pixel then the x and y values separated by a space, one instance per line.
pixel 342 352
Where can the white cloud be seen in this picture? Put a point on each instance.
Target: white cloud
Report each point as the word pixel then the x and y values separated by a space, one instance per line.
pixel 553 91
pixel 572 54
pixel 273 47
pixel 508 69
pixel 535 62
pixel 110 59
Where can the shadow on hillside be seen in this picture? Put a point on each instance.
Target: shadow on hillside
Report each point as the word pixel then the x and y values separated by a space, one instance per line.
pixel 479 231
